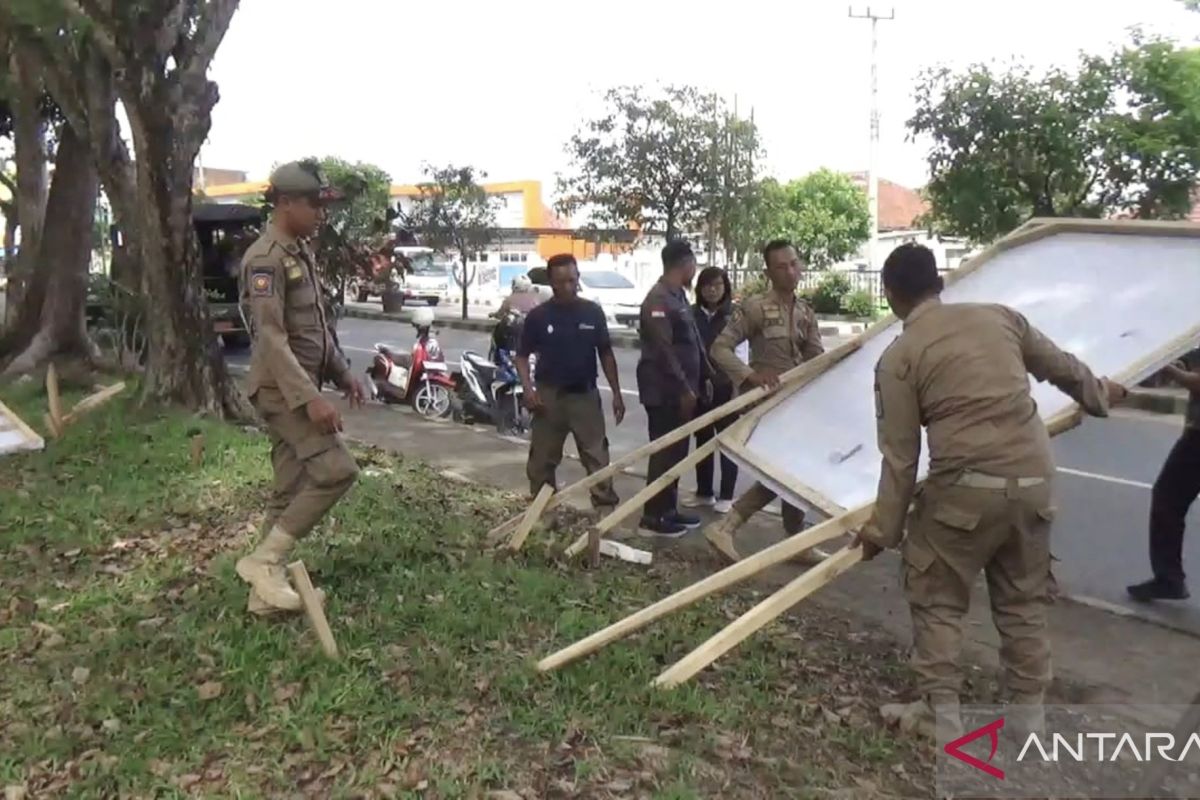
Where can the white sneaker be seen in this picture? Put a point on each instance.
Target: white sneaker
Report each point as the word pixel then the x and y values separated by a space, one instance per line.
pixel 723 506
pixel 699 501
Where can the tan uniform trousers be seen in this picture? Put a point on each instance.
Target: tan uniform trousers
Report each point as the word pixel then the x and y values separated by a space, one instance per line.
pixel 757 497
pixel 581 415
pixel 954 533
pixel 312 469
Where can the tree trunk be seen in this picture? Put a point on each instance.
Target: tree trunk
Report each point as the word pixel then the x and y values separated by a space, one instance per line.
pixel 29 143
pixel 463 285
pixel 185 363
pixel 50 320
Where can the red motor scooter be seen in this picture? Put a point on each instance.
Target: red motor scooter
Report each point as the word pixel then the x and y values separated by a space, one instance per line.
pixel 419 378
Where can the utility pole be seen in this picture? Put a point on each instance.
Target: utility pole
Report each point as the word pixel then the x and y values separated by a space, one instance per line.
pixel 873 156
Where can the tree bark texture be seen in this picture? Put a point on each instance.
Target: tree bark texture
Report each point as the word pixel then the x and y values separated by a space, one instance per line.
pixel 29 143
pixel 50 318
pixel 185 364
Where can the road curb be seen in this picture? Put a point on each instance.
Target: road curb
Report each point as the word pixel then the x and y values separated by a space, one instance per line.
pixel 1157 402
pixel 622 339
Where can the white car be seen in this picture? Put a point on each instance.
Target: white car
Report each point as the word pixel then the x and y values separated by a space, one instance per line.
pixel 616 294
pixel 429 276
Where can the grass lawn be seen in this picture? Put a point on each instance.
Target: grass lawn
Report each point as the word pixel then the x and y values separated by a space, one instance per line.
pixel 129 667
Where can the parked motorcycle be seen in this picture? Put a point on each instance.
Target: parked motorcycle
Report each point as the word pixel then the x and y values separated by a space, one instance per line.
pixel 420 378
pixel 489 389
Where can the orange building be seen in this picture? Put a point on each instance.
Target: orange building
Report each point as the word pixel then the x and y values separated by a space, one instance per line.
pixel 529 230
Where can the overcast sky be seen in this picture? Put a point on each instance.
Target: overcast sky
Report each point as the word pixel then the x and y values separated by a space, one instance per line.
pixel 503 83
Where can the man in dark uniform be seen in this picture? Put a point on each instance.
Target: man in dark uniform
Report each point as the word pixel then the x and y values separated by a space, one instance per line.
pixel 670 372
pixel 566 334
pixel 1175 489
pixel 293 353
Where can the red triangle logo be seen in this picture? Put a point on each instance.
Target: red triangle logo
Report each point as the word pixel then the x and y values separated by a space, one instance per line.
pixel 992 729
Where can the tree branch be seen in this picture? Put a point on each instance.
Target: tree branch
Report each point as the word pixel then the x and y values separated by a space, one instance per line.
pixel 170 30
pixel 101 29
pixel 215 16
pixel 58 76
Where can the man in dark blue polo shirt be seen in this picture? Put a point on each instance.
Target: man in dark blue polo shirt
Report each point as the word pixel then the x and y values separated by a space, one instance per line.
pixel 567 333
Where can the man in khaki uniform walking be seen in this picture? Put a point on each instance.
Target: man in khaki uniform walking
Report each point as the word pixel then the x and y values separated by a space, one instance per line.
pixel 783 333
pixel 292 353
pixel 962 370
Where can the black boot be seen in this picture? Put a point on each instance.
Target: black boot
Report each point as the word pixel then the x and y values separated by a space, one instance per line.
pixel 1158 589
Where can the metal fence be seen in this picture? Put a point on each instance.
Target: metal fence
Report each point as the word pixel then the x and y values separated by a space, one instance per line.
pixel 867 281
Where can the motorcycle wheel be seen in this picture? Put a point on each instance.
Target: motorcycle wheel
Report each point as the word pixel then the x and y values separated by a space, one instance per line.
pixel 512 420
pixel 431 400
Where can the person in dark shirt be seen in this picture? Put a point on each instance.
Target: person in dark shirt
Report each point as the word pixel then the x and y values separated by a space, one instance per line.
pixel 1175 489
pixel 566 334
pixel 714 301
pixel 670 373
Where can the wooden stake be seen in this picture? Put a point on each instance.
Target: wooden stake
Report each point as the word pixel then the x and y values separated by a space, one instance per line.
pixel 197 449
pixel 593 540
pixel 714 583
pixel 93 401
pixel 631 505
pixel 807 370
pixel 531 517
pixel 312 607
pixel 54 400
pixel 737 632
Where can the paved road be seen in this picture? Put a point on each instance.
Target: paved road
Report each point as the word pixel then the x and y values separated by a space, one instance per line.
pixel 1106 470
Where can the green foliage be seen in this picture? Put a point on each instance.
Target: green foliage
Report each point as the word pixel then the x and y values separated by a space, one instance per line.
pixel 756 284
pixel 358 225
pixel 860 304
pixel 827 297
pixel 824 214
pixel 667 162
pixel 454 215
pixel 1118 135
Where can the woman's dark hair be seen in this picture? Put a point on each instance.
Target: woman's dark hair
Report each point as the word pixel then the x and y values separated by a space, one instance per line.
pixel 910 272
pixel 709 275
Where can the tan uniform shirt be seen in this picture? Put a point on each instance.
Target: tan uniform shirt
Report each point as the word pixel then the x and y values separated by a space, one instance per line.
pixel 962 371
pixel 781 336
pixel 292 348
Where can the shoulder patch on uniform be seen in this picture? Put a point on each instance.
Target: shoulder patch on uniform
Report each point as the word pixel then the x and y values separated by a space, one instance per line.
pixel 262 282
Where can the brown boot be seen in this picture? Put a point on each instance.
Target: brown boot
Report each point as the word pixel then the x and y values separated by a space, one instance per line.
pixel 259 608
pixel 263 570
pixel 720 535
pixel 913 719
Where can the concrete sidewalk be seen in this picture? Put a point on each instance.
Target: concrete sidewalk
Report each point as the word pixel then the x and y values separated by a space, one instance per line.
pixel 1100 656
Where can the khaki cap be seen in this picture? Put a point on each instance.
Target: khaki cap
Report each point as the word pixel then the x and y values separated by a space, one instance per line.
pixel 302 177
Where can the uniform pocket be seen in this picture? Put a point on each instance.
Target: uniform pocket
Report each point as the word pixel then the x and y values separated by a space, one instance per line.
pixel 917 553
pixel 301 304
pixel 957 518
pixel 326 460
pixel 775 332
